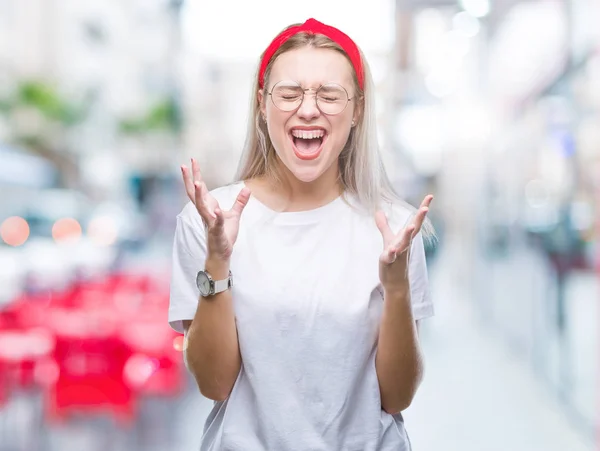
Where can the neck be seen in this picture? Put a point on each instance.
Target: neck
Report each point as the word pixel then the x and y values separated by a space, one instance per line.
pixel 295 195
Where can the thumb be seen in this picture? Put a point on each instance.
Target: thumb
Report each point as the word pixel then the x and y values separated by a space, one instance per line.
pixel 241 201
pixel 383 226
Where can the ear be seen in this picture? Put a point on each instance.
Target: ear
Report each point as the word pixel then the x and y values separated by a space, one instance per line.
pixel 262 103
pixel 357 113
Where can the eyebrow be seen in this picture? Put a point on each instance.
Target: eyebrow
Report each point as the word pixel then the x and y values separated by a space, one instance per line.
pixel 322 85
pixel 325 88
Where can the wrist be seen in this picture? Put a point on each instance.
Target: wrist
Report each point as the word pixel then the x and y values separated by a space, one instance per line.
pixel 218 268
pixel 396 292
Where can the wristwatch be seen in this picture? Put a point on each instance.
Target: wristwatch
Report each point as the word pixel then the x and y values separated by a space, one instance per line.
pixel 210 287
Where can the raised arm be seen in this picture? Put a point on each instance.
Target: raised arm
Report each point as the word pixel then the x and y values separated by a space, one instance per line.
pixel 211 346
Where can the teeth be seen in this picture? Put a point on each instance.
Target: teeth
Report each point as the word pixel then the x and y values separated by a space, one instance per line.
pixel 308 134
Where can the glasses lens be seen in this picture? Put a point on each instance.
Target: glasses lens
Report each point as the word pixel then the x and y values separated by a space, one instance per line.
pixel 332 99
pixel 287 96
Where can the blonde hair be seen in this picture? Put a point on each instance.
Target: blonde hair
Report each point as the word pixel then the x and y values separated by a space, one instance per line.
pixel 361 170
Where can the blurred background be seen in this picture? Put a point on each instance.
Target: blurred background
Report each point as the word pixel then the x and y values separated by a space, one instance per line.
pixel 491 105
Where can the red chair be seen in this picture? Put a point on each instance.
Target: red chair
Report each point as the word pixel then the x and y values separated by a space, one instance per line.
pixel 91 361
pixel 111 344
pixel 20 352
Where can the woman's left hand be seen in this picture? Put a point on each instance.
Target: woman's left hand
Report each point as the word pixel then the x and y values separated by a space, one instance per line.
pixel 393 262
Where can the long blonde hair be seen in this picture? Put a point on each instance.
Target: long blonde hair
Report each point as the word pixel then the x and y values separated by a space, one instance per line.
pixel 361 170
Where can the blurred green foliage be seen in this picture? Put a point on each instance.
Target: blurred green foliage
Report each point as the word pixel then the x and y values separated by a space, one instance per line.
pixel 49 103
pixel 59 114
pixel 46 99
pixel 162 116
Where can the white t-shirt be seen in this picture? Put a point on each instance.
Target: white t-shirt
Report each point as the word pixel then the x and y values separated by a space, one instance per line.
pixel 308 305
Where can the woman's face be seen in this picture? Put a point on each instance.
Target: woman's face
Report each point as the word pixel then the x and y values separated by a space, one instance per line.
pixel 308 141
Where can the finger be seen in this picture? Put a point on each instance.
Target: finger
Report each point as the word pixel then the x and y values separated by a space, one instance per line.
pixel 196 174
pixel 402 242
pixel 219 221
pixel 187 182
pixel 419 219
pixel 421 213
pixel 383 226
pixel 427 200
pixel 199 197
pixel 424 209
pixel 241 201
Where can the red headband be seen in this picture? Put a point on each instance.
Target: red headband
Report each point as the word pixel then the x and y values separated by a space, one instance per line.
pixel 313 26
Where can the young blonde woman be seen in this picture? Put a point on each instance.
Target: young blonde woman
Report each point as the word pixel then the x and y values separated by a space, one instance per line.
pixel 300 286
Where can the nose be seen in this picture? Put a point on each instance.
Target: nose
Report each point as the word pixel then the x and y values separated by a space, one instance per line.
pixel 308 108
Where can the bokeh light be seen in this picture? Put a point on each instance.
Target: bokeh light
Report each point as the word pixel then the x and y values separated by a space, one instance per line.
pixel 14 231
pixel 178 343
pixel 138 369
pixel 102 231
pixel 46 372
pixel 66 229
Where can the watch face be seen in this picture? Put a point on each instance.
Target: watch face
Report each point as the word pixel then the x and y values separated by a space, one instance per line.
pixel 203 283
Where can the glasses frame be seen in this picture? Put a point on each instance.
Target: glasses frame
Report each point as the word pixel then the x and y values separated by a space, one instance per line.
pixel 304 90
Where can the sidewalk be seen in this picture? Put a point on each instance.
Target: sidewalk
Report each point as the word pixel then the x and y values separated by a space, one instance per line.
pixel 476 396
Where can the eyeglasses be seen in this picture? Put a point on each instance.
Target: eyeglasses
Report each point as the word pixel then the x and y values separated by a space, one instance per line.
pixel 331 98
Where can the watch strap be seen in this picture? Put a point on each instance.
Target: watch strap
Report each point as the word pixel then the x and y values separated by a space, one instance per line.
pixel 224 284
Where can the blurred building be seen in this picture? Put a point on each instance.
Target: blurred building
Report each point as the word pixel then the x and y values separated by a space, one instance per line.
pixel 118 61
pixel 498 103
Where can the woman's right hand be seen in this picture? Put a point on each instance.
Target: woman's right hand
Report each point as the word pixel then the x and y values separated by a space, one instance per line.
pixel 222 226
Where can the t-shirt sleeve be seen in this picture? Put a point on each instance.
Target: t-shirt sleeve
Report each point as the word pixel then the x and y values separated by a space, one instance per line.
pixel 188 257
pixel 419 281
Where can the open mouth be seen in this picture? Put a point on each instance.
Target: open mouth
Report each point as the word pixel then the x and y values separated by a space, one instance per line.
pixel 308 144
